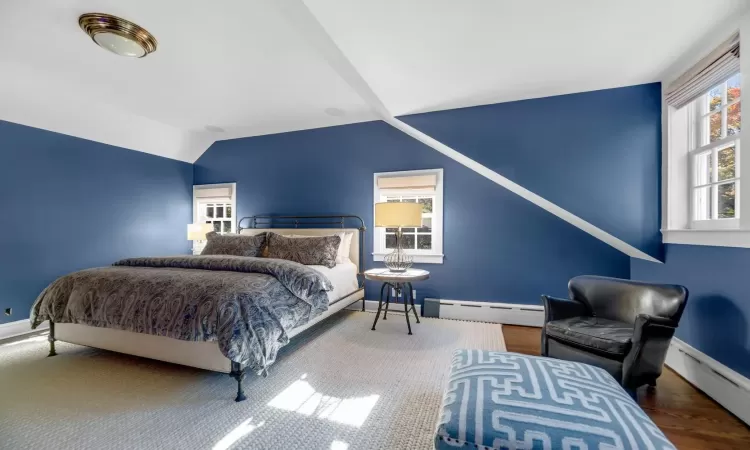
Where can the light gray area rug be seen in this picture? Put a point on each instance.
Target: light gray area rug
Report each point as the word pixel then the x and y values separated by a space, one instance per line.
pixel 338 386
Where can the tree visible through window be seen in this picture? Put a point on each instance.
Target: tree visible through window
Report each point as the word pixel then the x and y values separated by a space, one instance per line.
pixel 718 102
pixel 727 192
pixel 715 172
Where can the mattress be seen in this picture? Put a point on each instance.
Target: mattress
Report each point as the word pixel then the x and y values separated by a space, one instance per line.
pixel 343 277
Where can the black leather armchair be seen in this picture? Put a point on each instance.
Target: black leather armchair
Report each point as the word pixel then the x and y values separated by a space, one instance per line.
pixel 622 326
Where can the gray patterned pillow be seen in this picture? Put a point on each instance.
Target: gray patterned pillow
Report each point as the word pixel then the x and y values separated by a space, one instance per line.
pixel 319 250
pixel 234 244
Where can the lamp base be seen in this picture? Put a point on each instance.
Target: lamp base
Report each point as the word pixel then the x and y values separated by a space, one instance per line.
pixel 398 261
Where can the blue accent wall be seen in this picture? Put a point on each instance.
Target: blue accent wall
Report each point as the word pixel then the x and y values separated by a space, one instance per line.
pixel 498 246
pixel 69 204
pixel 596 154
pixel 717 315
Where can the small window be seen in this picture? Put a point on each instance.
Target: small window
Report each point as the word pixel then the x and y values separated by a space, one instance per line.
pixel 425 187
pixel 214 204
pixel 219 214
pixel 714 154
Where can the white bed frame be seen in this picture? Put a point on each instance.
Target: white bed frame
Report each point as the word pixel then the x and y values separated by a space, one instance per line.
pixel 203 355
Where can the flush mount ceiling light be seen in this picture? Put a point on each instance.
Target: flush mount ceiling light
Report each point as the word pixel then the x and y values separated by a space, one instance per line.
pixel 117 35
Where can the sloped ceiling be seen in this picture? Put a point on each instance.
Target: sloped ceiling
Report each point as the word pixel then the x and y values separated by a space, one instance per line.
pixel 248 67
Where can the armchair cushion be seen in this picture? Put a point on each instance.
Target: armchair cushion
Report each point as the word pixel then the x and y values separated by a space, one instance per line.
pixel 596 333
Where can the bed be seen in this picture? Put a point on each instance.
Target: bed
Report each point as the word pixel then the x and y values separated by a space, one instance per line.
pixel 345 280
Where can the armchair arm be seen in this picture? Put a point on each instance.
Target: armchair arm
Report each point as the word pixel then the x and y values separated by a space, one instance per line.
pixel 644 320
pixel 562 308
pixel 651 338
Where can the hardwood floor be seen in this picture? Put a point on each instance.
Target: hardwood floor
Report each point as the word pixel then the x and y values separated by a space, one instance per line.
pixel 689 418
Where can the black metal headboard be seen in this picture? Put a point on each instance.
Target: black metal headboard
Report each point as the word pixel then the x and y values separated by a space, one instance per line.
pixel 273 221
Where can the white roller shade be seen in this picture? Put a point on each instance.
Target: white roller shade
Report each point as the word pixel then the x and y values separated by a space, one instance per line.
pixel 719 65
pixel 421 182
pixel 221 192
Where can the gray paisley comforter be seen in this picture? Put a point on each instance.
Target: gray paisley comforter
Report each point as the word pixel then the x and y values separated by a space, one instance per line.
pixel 246 304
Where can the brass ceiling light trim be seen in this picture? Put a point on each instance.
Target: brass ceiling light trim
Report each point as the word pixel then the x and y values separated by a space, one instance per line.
pixel 117 35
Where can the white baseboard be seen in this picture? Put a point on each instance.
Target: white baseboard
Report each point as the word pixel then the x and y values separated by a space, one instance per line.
pixel 372 305
pixel 727 387
pixel 19 327
pixel 505 313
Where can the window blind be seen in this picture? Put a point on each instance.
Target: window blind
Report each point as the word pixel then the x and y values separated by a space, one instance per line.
pixel 222 192
pixel 412 182
pixel 719 65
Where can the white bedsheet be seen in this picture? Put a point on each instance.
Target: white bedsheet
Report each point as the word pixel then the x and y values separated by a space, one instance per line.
pixel 343 277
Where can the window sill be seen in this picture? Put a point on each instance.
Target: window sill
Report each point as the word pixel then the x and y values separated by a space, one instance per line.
pixel 717 238
pixel 422 259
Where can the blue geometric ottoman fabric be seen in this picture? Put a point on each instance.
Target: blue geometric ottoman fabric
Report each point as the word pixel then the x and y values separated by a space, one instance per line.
pixel 499 400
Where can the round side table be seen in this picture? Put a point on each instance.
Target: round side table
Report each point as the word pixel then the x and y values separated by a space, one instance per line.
pixel 400 282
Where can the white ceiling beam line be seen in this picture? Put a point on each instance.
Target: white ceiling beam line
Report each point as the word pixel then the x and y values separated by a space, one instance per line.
pixel 521 191
pixel 305 21
pixel 302 19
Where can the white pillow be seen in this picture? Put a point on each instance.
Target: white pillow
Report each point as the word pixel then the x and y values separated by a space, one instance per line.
pixel 346 242
pixel 345 247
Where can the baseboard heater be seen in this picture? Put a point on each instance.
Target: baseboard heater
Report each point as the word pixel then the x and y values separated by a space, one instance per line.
pixel 727 387
pixel 506 313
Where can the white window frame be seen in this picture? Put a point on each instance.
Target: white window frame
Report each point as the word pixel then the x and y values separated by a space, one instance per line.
pixel 435 254
pixel 699 143
pixel 230 199
pixel 679 134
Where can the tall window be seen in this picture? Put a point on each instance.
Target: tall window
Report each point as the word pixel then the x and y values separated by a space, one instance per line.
pixel 702 161
pixel 425 187
pixel 715 154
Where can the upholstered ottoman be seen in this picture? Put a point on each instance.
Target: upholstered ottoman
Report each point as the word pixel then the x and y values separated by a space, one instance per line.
pixel 499 400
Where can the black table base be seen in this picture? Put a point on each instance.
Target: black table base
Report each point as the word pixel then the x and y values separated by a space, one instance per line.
pixel 385 297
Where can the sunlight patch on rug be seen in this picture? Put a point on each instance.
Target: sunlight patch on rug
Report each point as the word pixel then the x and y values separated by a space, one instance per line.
pixel 301 397
pixel 238 433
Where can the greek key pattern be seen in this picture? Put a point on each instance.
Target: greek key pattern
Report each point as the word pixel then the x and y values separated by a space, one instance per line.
pixel 499 400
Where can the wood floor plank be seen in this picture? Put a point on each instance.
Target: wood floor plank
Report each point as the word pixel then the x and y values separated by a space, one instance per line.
pixel 689 418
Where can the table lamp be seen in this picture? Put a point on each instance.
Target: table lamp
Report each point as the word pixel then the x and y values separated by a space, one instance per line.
pixel 198 231
pixel 397 215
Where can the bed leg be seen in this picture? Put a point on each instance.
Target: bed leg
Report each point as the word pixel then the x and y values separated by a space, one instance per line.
pixel 51 339
pixel 238 373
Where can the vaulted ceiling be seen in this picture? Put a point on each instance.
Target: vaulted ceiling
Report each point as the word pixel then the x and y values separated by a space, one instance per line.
pixel 253 67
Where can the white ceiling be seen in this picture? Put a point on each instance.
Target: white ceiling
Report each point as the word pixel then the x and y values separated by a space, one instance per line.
pixel 426 55
pixel 256 67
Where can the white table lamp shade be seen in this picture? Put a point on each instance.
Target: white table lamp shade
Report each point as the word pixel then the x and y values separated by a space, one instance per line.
pixel 198 231
pixel 394 215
